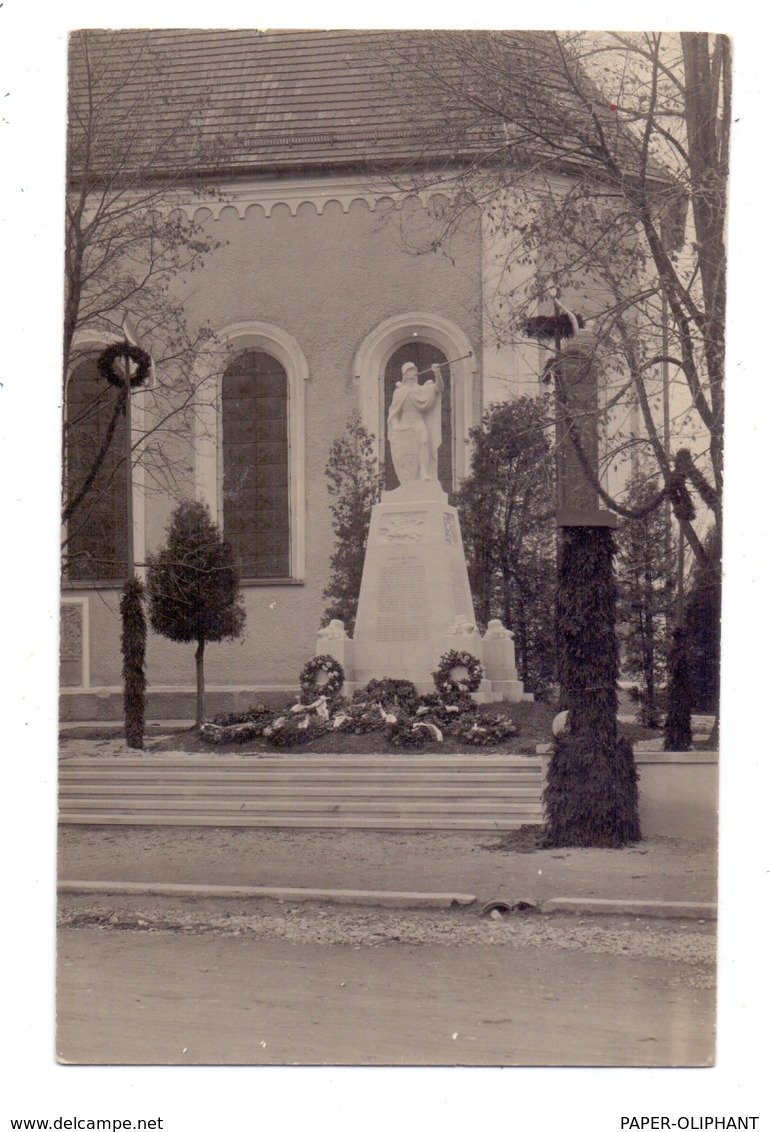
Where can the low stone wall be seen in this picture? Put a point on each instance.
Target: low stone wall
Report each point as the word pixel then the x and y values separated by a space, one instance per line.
pixel 106 704
pixel 678 793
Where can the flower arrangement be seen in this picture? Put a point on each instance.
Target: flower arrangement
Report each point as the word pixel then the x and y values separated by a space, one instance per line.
pixel 321 676
pixel 493 729
pixel 390 706
pixel 404 732
pixel 357 719
pixel 293 730
pixel 390 693
pixel 457 673
pixel 237 727
pixel 450 716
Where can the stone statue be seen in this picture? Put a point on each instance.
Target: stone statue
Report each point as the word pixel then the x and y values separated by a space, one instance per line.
pixel 414 425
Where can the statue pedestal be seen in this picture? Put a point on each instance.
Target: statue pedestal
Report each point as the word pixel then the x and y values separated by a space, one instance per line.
pixel 414 589
pixel 415 602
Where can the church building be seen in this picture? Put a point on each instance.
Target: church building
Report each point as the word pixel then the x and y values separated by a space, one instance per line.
pixel 295 164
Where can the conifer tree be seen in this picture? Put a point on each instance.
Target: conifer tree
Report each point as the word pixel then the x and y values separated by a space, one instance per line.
pixel 193 587
pixel 506 512
pixel 677 730
pixel 645 584
pixel 355 481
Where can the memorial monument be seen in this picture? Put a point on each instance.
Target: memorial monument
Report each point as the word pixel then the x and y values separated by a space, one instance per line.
pixel 415 601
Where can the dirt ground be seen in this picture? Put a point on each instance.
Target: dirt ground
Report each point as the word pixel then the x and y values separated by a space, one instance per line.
pixel 381 989
pixel 656 869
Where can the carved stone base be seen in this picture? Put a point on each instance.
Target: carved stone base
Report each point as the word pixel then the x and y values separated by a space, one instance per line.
pixel 415 603
pixel 414 590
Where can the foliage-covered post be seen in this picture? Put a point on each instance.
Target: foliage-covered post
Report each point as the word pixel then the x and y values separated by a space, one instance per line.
pixel 591 796
pixel 133 641
pixel 193 587
pixel 137 364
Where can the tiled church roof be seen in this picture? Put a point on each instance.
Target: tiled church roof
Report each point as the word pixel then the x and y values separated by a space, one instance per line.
pixel 246 100
pixel 202 102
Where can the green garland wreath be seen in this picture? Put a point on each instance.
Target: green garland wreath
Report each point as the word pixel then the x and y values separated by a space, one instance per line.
pixel 309 685
pixel 127 352
pixel 446 684
pixel 485 731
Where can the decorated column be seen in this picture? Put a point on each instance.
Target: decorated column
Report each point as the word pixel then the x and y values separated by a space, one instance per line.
pixel 591 795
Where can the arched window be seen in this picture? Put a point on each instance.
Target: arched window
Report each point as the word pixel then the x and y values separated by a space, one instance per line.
pixel 255 464
pixel 95 438
pixel 424 355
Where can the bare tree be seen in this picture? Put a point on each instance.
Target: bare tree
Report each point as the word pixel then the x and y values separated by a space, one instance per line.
pixel 132 143
pixel 596 165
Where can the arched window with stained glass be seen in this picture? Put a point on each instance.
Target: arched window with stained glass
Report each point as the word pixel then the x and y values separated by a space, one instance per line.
pixel 95 474
pixel 255 464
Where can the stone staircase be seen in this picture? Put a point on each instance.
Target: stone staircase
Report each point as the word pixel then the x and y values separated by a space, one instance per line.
pixel 393 792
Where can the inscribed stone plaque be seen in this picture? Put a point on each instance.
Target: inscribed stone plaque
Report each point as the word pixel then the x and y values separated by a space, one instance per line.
pixel 71 646
pixel 402 600
pixel 459 592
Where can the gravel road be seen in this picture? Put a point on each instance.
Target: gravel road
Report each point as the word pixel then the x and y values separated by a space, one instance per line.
pixel 689 943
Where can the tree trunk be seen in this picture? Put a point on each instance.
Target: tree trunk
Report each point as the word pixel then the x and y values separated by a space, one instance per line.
pixel 200 700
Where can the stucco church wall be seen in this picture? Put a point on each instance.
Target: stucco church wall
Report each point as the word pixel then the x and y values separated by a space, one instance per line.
pixel 328 280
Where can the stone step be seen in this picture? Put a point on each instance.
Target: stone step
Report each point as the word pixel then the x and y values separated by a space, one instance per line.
pixel 379 792
pixel 291 790
pixel 286 805
pixel 298 761
pixel 411 823
pixel 123 770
